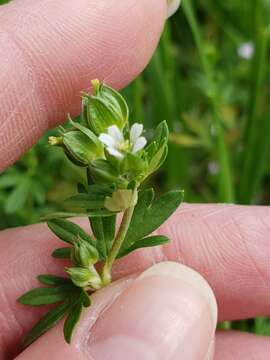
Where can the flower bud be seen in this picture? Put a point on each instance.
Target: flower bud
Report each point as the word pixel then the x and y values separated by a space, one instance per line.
pixel 84 254
pixel 79 276
pixel 83 277
pixel 106 107
pixel 80 147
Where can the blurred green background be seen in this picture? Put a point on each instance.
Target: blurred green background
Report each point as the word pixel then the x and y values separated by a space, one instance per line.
pixel 210 80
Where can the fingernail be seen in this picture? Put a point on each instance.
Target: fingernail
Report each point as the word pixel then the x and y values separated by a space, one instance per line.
pixel 173 5
pixel 168 312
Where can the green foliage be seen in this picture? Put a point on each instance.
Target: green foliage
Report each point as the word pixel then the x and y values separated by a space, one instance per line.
pixel 144 243
pixel 68 231
pixel 47 322
pixel 62 253
pixel 149 214
pixel 72 320
pixel 53 280
pixel 44 296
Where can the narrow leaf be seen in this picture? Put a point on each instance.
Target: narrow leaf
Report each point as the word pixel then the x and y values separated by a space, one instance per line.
pixel 101 189
pixel 44 296
pixel 62 253
pixel 49 279
pixel 46 322
pixel 85 298
pixel 18 197
pixel 98 231
pixel 145 242
pixel 86 201
pixel 109 224
pixel 64 215
pixel 72 320
pixel 147 218
pixel 68 231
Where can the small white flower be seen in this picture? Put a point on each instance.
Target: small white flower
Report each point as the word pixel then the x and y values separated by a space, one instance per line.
pixel 116 144
pixel 246 50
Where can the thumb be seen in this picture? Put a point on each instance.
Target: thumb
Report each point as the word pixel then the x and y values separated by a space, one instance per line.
pixel 168 312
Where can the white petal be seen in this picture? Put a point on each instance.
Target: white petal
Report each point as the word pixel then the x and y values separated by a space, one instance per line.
pixel 135 132
pixel 173 5
pixel 139 144
pixel 115 153
pixel 107 140
pixel 116 134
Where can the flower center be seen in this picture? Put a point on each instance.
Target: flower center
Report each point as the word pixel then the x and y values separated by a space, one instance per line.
pixel 124 146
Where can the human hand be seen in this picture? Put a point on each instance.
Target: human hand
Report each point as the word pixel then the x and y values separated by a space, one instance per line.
pixel 171 312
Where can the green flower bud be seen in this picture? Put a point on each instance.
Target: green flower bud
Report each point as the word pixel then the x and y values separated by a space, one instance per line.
pixel 121 200
pixel 84 254
pixel 79 276
pixel 95 282
pixel 106 107
pixel 81 147
pixel 83 277
pixel 157 150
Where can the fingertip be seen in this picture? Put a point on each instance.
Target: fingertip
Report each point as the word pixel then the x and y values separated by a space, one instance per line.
pixel 157 316
pixel 50 58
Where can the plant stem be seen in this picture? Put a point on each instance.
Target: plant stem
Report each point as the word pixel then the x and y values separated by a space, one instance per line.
pixel 226 189
pixel 120 237
pixel 256 138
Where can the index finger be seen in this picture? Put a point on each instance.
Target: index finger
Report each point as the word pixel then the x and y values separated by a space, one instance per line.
pixel 50 50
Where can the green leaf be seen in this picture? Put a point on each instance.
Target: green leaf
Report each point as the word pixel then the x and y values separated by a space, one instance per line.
pixel 68 231
pixel 102 228
pixel 46 322
pixel 148 217
pixel 88 133
pixel 62 253
pixel 157 159
pixel 85 298
pixel 161 133
pixel 9 179
pixel 101 189
pixel 48 279
pixel 86 201
pixel 109 230
pixel 64 215
pixel 145 242
pixel 104 173
pixel 80 148
pixel 18 197
pixel 44 296
pixel 98 231
pixel 72 320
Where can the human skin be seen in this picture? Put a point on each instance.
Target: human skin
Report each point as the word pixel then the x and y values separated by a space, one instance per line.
pixel 49 52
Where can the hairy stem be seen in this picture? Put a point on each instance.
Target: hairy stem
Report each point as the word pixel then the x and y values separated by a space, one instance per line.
pixel 120 237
